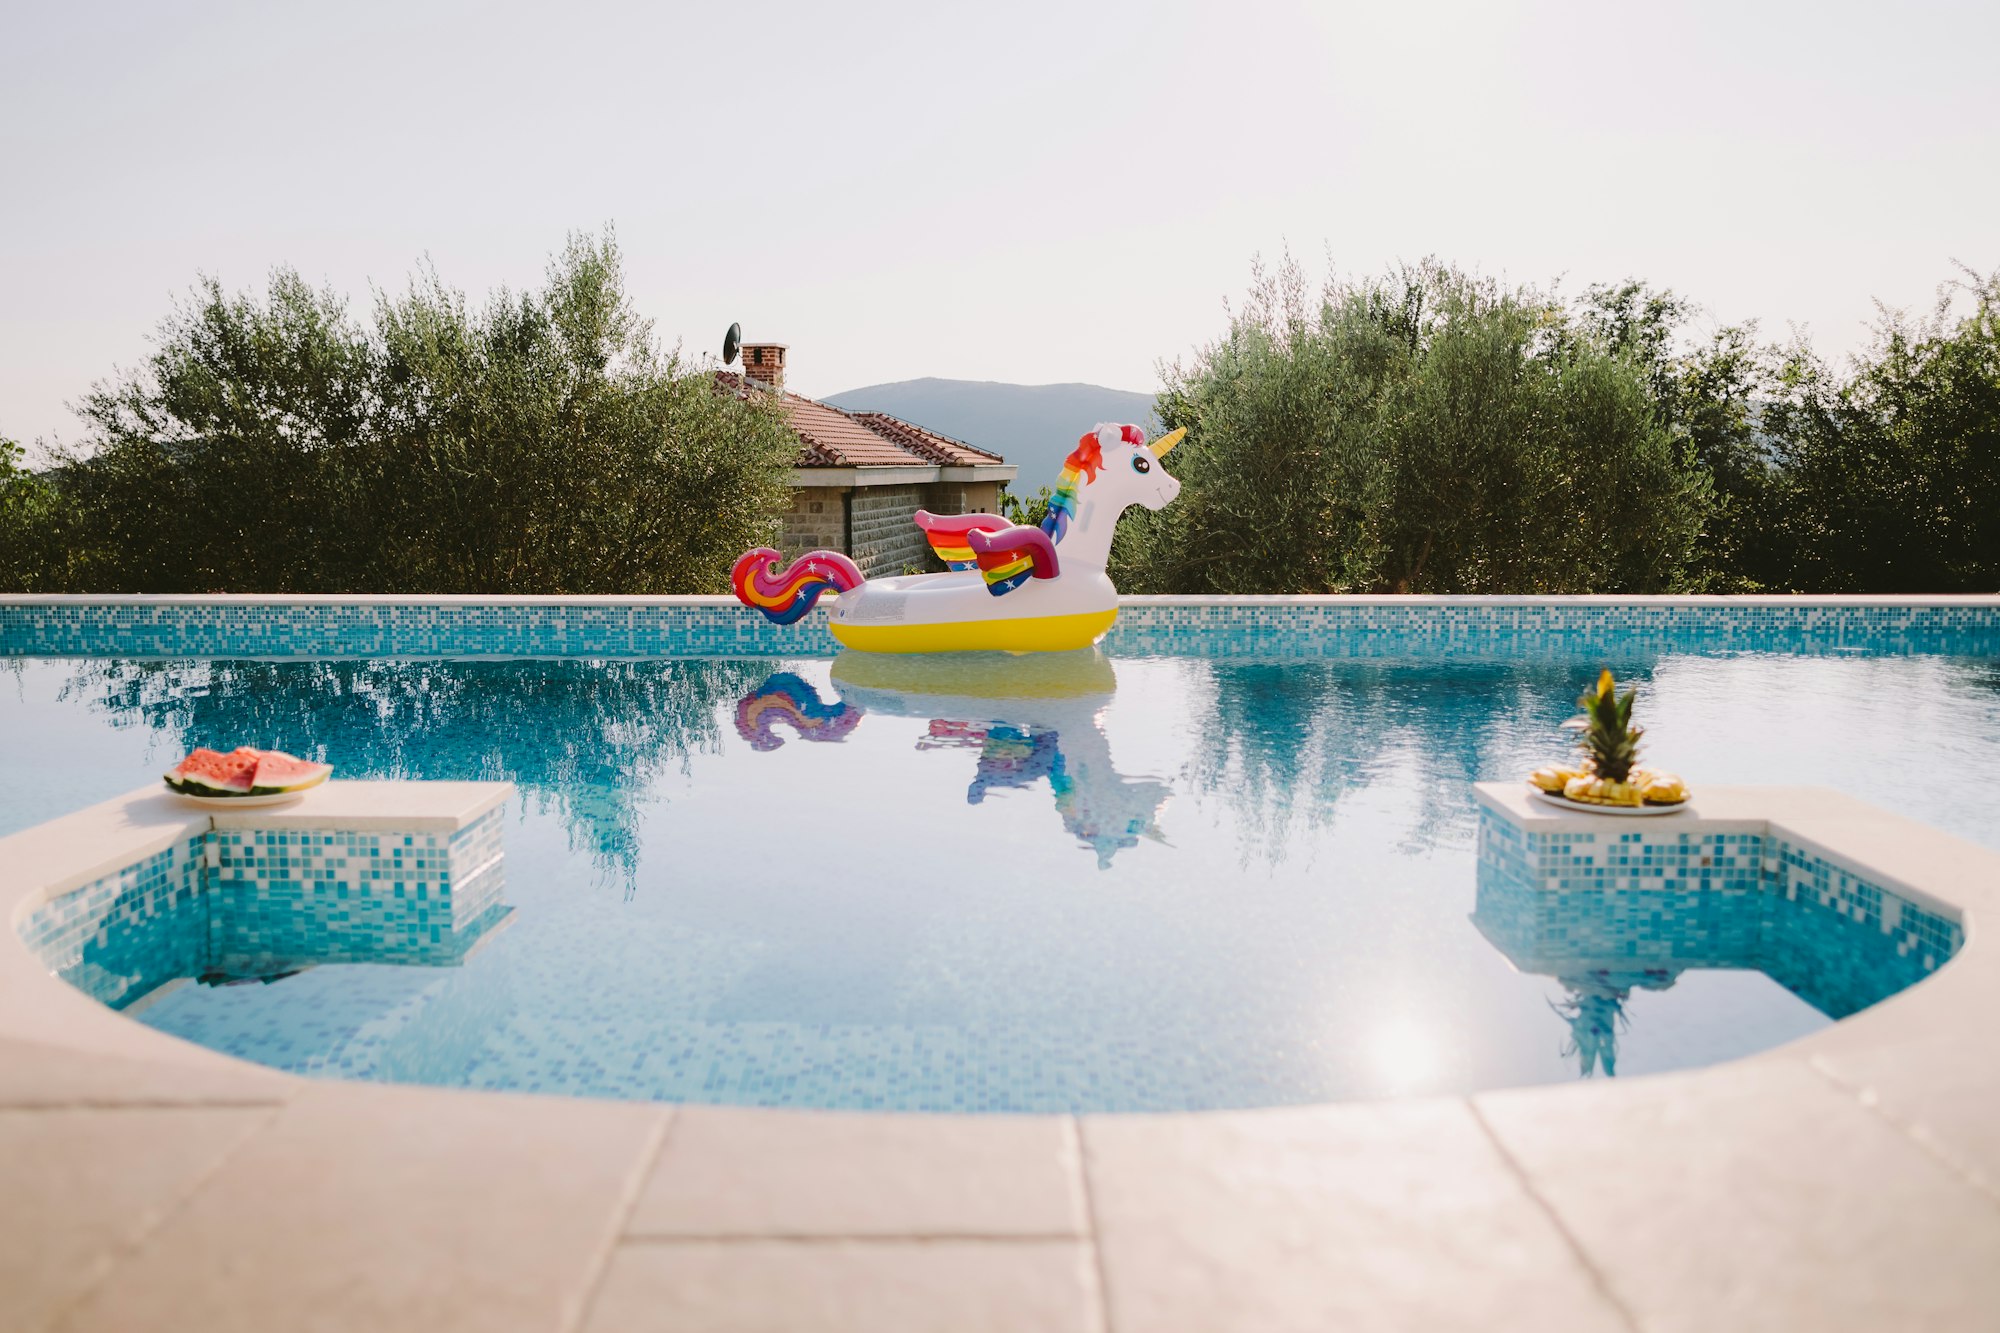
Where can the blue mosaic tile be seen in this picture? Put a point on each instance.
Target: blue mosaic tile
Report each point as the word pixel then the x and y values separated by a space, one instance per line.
pixel 233 904
pixel 120 936
pixel 1222 628
pixel 1576 903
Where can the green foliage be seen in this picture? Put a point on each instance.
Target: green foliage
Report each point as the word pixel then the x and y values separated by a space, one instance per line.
pixel 1707 398
pixel 1028 511
pixel 1428 432
pixel 1891 478
pixel 31 551
pixel 541 445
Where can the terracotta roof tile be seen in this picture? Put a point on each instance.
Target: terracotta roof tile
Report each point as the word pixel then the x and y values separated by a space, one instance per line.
pixel 830 437
pixel 940 449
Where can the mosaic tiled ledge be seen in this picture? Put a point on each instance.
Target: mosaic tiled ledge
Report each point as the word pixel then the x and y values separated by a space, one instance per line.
pixel 1625 902
pixel 343 626
pixel 260 893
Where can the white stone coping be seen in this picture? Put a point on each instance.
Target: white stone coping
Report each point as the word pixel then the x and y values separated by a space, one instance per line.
pixel 703 600
pixel 1847 1181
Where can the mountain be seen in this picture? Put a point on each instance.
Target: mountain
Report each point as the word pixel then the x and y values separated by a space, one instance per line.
pixel 1033 426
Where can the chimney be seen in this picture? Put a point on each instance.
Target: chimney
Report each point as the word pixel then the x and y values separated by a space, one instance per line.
pixel 765 362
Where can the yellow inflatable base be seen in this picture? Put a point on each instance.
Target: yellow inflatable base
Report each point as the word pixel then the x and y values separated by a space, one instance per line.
pixel 1038 634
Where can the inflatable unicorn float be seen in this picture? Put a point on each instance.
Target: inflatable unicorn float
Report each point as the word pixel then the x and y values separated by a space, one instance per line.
pixel 1010 587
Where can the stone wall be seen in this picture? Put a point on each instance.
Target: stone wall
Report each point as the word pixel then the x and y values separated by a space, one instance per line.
pixel 817 521
pixel 964 497
pixel 886 540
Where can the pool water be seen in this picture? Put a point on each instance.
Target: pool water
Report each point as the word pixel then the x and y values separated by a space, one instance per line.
pixel 995 884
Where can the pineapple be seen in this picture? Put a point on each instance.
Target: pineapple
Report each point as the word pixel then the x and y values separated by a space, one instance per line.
pixel 1611 743
pixel 1608 772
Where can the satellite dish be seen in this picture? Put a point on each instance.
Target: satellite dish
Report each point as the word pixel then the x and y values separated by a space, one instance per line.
pixel 730 342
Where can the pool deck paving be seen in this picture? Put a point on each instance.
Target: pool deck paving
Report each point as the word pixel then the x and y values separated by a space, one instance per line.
pixel 1847 1181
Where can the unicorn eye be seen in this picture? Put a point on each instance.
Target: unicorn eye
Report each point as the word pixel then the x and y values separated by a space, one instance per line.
pixel 1140 463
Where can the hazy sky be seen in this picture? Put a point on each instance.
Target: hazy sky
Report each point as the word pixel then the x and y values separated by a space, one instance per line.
pixel 1010 192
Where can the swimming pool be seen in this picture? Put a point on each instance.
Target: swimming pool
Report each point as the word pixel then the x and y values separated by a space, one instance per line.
pixel 1152 878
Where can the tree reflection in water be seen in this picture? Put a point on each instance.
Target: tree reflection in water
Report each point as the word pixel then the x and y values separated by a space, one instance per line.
pixel 586 736
pixel 1284 742
pixel 1595 1012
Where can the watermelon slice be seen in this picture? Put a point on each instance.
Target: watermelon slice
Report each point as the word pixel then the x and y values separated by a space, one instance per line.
pixel 212 773
pixel 244 772
pixel 279 772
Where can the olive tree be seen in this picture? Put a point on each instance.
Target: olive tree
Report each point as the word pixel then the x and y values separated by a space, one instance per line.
pixel 543 443
pixel 1423 432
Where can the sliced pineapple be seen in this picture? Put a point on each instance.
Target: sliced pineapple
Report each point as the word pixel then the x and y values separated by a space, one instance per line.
pixel 1553 777
pixel 1663 789
pixel 1593 790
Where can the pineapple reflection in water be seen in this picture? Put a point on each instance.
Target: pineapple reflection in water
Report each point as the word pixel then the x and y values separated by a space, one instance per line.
pixel 1610 773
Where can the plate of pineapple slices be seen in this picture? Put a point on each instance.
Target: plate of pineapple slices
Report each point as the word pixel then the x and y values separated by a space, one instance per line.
pixel 1608 780
pixel 1642 793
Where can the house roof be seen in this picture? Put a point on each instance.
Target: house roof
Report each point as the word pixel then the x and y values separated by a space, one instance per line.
pixel 832 438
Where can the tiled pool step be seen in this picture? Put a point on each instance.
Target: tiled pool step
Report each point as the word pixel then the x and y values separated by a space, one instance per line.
pixel 1844 1182
pixel 1627 902
pixel 376 871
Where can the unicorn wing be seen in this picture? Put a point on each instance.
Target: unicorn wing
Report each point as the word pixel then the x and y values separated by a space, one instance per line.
pixel 1007 554
pixel 947 534
pixel 1010 557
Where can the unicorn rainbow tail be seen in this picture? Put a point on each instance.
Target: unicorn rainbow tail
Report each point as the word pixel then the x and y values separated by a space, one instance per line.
pixel 786 597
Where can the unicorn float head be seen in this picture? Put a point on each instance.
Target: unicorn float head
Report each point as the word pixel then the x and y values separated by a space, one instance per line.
pixel 1009 587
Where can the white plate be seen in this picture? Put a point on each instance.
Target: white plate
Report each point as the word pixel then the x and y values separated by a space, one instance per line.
pixel 242 802
pixel 1564 803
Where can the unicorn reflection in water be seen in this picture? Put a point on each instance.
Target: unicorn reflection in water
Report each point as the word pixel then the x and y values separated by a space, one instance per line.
pixel 1010 588
pixel 1026 719
pixel 783 697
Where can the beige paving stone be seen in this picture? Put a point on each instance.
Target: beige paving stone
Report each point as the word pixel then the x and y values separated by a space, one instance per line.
pixel 1015 1286
pixel 729 1171
pixel 78 1188
pixel 1944 1090
pixel 34 1075
pixel 1356 1217
pixel 392 1209
pixel 1756 1196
